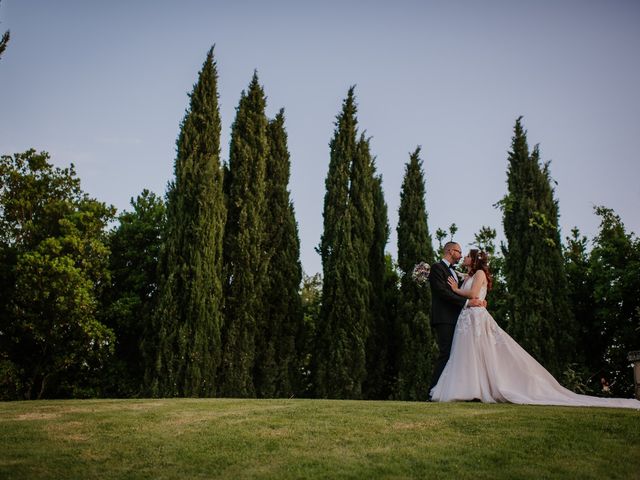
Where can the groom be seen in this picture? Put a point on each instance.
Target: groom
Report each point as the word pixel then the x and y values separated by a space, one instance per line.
pixel 446 305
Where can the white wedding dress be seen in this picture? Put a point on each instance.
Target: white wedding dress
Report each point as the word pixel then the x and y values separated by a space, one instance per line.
pixel 487 364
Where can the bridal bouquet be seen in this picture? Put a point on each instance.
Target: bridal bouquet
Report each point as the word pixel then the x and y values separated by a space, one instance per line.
pixel 420 273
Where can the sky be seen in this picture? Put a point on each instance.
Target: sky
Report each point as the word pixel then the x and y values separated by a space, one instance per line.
pixel 104 85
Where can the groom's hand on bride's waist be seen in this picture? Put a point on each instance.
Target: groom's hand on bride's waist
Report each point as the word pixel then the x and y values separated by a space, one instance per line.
pixel 476 302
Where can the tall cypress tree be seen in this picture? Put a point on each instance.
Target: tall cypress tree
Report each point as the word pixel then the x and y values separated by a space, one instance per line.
pixel 343 150
pixel 540 320
pixel 380 338
pixel 276 354
pixel 339 362
pixel 416 344
pixel 189 314
pixel 361 203
pixel 245 258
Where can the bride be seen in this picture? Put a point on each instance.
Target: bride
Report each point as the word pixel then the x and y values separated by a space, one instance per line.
pixel 487 364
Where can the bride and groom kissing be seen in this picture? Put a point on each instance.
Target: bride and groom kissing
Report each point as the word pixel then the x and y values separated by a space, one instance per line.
pixel 477 359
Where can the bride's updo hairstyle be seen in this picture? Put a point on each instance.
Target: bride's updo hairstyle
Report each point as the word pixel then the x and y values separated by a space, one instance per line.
pixel 480 261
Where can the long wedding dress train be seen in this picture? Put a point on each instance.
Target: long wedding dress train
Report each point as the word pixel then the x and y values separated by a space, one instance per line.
pixel 487 364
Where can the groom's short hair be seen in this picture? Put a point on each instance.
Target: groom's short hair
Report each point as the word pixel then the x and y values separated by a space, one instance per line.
pixel 448 245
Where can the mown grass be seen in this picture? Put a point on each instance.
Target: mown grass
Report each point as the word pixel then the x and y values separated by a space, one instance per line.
pixel 280 439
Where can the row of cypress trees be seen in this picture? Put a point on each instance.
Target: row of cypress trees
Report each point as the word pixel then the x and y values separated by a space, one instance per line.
pixel 229 314
pixel 373 340
pixel 228 308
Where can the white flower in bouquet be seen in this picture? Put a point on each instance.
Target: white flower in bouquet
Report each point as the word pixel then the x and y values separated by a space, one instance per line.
pixel 420 273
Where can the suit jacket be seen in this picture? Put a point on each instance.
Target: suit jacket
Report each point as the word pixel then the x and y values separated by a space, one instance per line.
pixel 445 304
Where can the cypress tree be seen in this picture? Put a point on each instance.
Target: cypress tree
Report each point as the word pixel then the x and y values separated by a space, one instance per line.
pixel 245 258
pixel 339 363
pixel 276 354
pixel 416 344
pixel 189 314
pixel 540 319
pixel 343 150
pixel 361 202
pixel 380 338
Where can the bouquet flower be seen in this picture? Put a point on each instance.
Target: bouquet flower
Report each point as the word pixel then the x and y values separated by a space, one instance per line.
pixel 420 273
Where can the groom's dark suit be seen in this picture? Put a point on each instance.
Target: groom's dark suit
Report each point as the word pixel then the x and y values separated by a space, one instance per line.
pixel 445 308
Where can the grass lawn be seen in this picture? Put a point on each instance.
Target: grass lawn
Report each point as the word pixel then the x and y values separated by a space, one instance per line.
pixel 279 439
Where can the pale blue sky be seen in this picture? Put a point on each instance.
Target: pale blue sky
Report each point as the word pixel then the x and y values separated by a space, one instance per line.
pixel 104 85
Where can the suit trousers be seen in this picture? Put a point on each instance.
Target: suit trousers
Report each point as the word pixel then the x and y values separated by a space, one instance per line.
pixel 444 337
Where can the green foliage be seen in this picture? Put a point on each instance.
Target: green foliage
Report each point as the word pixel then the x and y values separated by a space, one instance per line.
pixel 276 372
pixel 184 344
pixel 380 340
pixel 440 236
pixel 4 41
pixel 453 229
pixel 311 299
pixel 590 341
pixel 363 189
pixel 416 349
pixel 129 302
pixel 245 251
pixel 340 353
pixel 614 279
pixel 11 386
pixel 343 151
pixel 540 318
pixel 54 269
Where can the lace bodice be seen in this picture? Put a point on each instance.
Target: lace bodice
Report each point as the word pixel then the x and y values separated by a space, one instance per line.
pixel 468 284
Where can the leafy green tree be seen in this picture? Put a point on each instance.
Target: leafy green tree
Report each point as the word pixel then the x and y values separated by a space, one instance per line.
pixel 311 299
pixel 614 278
pixel 416 350
pixel 540 319
pixel 276 368
pixel 440 236
pixel 246 258
pixel 54 268
pixel 188 320
pixel 584 372
pixel 453 229
pixel 129 301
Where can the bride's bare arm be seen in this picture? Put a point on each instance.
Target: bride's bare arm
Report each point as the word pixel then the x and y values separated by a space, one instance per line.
pixel 479 279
